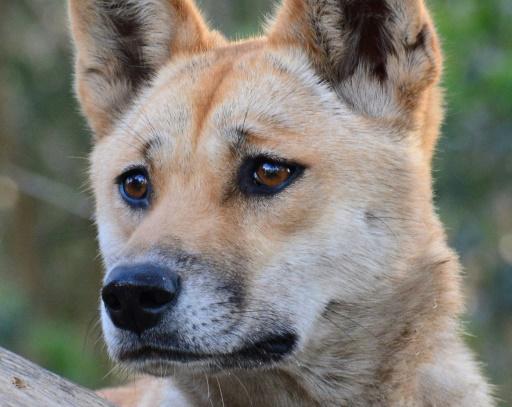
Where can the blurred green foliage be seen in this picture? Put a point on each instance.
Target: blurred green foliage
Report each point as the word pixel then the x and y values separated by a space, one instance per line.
pixel 49 270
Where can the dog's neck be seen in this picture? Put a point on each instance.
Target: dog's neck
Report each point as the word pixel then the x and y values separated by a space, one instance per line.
pixel 360 357
pixel 269 388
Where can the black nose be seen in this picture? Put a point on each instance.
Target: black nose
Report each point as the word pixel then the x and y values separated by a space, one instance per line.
pixel 136 297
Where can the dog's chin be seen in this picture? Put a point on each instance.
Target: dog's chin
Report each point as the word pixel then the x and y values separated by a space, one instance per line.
pixel 163 361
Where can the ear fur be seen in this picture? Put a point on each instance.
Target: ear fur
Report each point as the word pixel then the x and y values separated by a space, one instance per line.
pixel 379 55
pixel 120 44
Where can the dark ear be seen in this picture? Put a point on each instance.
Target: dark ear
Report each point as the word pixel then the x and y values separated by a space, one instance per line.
pixel 379 55
pixel 120 44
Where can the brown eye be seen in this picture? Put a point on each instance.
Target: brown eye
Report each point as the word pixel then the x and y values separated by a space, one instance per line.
pixel 267 176
pixel 134 187
pixel 272 175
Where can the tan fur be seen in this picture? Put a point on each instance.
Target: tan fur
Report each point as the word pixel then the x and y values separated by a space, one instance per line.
pixel 352 256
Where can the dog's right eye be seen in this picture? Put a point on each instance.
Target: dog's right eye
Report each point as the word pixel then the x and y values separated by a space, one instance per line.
pixel 134 187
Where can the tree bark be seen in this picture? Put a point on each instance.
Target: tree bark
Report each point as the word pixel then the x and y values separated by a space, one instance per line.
pixel 24 384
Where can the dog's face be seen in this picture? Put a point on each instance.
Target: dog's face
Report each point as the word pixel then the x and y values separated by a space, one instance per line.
pixel 242 189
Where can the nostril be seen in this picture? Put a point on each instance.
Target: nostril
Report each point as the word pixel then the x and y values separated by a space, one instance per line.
pixel 112 302
pixel 154 299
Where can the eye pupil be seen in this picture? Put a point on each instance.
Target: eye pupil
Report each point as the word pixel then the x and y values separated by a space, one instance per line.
pixel 272 174
pixel 136 186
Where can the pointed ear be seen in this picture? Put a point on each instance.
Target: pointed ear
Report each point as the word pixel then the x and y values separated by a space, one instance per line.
pixel 379 55
pixel 121 44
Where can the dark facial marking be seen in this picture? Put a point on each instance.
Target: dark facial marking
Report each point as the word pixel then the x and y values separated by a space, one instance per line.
pixel 149 147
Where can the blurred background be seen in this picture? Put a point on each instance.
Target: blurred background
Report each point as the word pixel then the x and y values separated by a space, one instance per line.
pixel 49 269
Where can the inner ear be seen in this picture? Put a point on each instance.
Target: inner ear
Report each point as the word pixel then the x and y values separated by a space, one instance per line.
pixel 129 40
pixel 370 42
pixel 384 48
pixel 122 44
pixel 381 57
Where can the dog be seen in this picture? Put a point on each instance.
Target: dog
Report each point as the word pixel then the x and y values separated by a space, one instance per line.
pixel 264 207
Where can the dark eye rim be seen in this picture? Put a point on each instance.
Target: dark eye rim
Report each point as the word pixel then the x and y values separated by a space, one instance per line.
pixel 142 203
pixel 250 187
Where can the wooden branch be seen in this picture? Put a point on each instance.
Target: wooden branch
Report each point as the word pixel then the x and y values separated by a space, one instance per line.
pixel 23 384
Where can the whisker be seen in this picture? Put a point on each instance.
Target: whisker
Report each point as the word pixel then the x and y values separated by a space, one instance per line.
pixel 243 387
pixel 220 392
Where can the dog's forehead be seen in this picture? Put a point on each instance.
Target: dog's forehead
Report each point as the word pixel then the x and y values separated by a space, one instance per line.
pixel 219 93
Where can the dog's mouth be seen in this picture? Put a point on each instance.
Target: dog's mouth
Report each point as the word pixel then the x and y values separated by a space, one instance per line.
pixel 271 349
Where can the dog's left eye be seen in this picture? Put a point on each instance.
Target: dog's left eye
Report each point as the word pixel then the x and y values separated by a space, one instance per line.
pixel 267 176
pixel 134 187
pixel 271 174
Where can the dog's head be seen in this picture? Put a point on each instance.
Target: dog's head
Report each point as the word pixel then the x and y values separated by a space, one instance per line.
pixel 246 190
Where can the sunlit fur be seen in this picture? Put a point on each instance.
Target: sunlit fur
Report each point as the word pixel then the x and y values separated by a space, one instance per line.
pixel 351 256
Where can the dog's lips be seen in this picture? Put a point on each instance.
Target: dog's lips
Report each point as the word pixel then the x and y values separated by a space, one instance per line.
pixel 271 349
pixel 151 353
